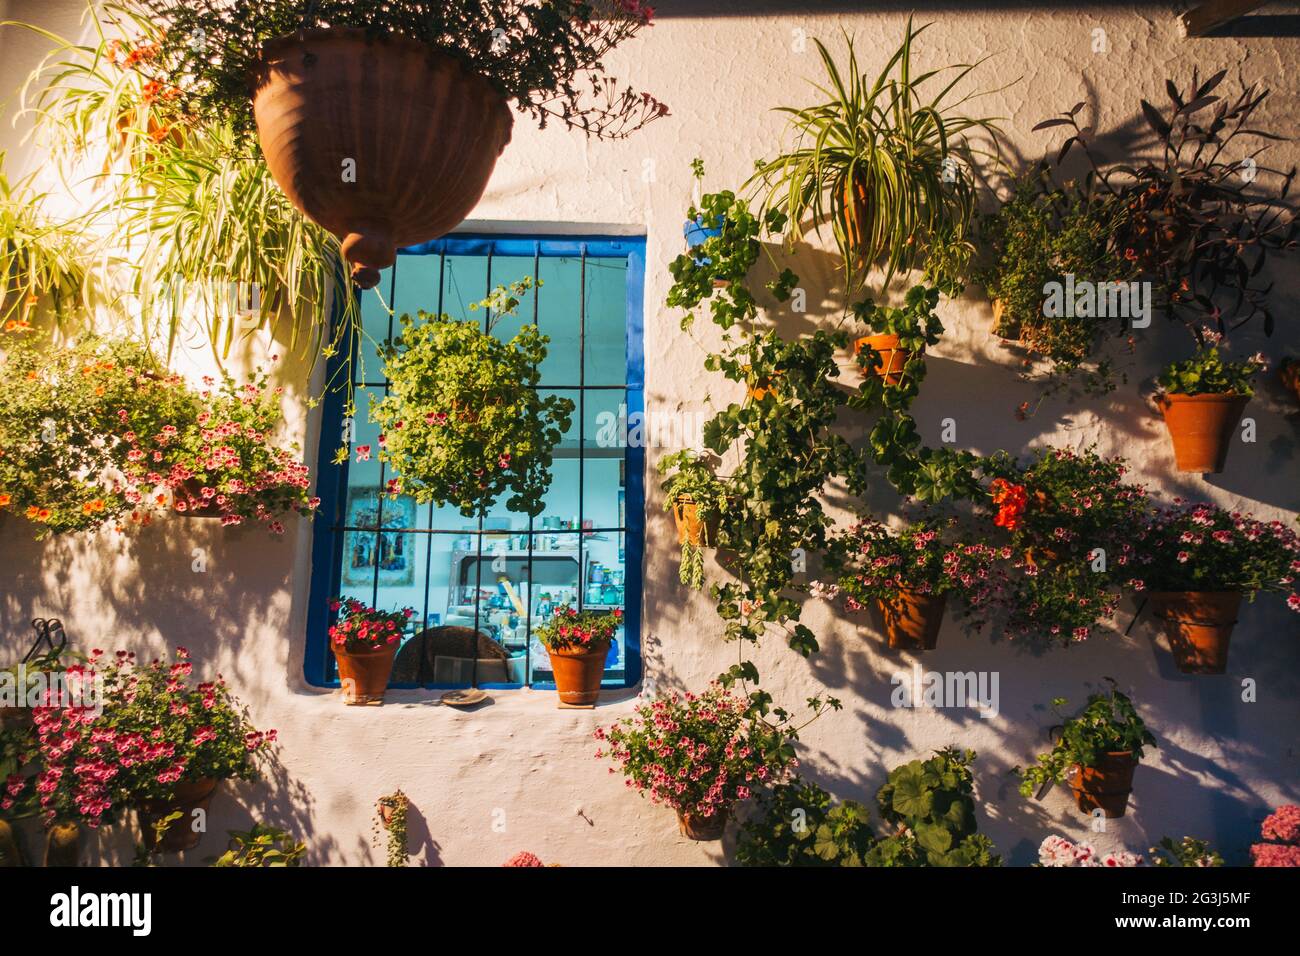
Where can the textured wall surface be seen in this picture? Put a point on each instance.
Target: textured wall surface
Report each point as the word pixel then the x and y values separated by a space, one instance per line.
pixel 519 774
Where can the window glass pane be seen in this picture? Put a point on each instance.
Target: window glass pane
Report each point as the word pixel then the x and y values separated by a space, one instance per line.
pixel 606 341
pixel 417 286
pixel 557 316
pixel 555 581
pixel 364 469
pixel 464 283
pixel 603 590
pixel 368 366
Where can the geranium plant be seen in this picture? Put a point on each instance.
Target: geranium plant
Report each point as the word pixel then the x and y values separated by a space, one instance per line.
pixel 1188 851
pixel 1209 373
pixel 1280 833
pixel 1202 547
pixel 799 824
pixel 698 753
pixel 917 326
pixel 64 464
pixel 226 462
pixel 1057 851
pixel 542 55
pixel 154 731
pixel 359 628
pixel 463 421
pixel 570 628
pixel 930 805
pixel 927 556
pixel 1109 723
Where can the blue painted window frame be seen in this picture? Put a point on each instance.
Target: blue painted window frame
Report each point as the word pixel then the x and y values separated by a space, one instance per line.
pixel 332 478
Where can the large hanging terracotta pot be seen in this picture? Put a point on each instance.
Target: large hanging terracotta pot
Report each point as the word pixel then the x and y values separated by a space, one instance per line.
pixel 1198 625
pixel 363 675
pixel 913 619
pixel 701 828
pixel 1107 785
pixel 189 797
pixel 892 359
pixel 578 671
pixel 1202 428
pixel 420 132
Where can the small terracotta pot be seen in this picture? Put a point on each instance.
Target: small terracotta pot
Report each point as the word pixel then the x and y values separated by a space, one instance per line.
pixel 419 131
pixel 1290 375
pixel 690 527
pixel 760 389
pixel 188 797
pixel 192 490
pixel 1106 785
pixel 578 672
pixel 363 675
pixel 913 619
pixel 63 845
pixel 892 359
pixel 1202 428
pixel 700 828
pixel 1198 625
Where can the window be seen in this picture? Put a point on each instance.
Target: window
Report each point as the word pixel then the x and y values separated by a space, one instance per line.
pixel 502 574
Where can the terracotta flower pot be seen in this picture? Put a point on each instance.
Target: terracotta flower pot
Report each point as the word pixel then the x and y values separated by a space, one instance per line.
pixel 180 834
pixel 761 388
pixel 1290 375
pixel 1198 625
pixel 691 528
pixel 386 142
pixel 1106 785
pixel 892 359
pixel 363 675
pixel 695 827
pixel 913 619
pixel 63 845
pixel 1202 428
pixel 578 671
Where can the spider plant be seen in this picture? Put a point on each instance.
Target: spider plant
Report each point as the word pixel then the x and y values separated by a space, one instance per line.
pixel 193 201
pixel 41 259
pixel 887 165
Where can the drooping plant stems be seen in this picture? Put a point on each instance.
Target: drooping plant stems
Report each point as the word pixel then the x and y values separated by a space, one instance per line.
pixel 887 162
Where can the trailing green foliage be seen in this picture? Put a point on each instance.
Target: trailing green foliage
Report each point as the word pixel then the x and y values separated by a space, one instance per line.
pixel 1109 723
pixel 262 846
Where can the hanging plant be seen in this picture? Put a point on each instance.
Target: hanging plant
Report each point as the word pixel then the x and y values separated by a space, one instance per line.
pixel 697 499
pixel 1096 752
pixel 888 163
pixel 896 353
pixel 1204 213
pixel 392 817
pixel 63 460
pixel 1044 234
pixel 1197 561
pixel 463 422
pixel 910 572
pixel 383 122
pixel 1202 399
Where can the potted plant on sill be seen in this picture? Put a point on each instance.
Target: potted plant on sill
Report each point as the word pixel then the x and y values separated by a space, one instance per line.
pixel 886 162
pixel 578 645
pixel 365 641
pixel 1201 399
pixel 383 122
pixel 697 498
pixel 1197 561
pixel 896 351
pixel 700 754
pixel 463 422
pixel 1096 753
pixel 909 574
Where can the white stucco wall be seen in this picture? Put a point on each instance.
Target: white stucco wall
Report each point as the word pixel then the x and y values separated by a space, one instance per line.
pixel 519 774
